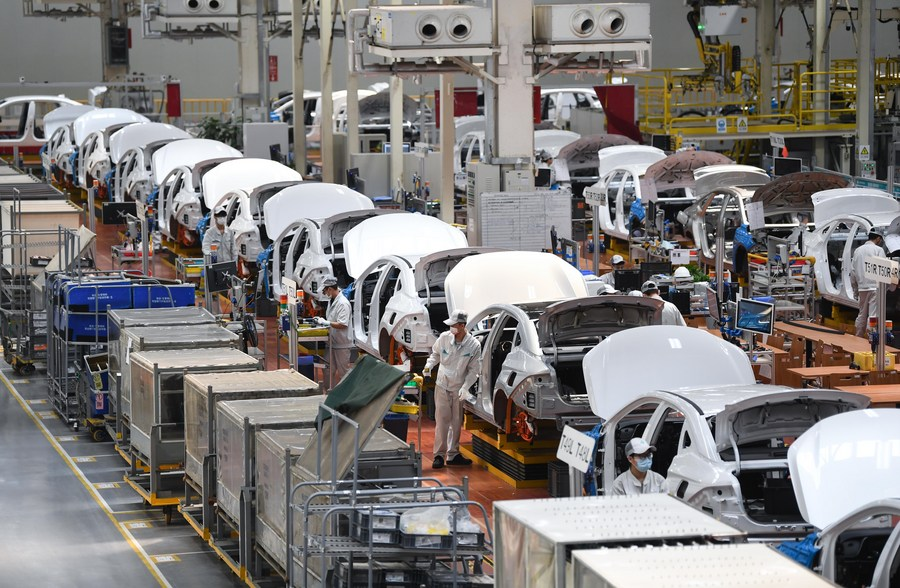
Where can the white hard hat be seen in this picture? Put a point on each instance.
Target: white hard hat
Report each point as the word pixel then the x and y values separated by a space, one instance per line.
pixel 617 259
pixel 682 274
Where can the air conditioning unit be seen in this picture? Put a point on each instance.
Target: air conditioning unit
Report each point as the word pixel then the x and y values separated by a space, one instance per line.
pixel 206 10
pixel 410 27
pixel 591 23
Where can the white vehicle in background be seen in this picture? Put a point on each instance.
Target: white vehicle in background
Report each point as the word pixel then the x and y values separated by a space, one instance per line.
pixel 321 205
pixel 283 109
pixel 242 186
pixel 470 148
pixel 621 169
pixel 722 192
pixel 845 471
pixel 844 218
pixel 131 149
pixel 178 169
pixel 557 104
pixel 56 154
pixel 92 132
pixel 401 303
pixel 721 439
pixel 577 164
pixel 466 124
pixel 22 122
pixel 339 117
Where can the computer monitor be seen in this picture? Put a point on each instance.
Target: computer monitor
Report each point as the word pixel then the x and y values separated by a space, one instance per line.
pixel 218 276
pixel 543 178
pixel 627 280
pixel 115 213
pixel 782 166
pixel 352 178
pixel 652 268
pixel 755 316
pixel 712 300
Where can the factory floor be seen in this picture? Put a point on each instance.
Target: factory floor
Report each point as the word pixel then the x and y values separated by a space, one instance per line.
pixel 70 520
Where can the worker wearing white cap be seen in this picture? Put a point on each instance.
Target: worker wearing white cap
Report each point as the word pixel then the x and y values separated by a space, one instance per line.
pixel 459 356
pixel 617 262
pixel 639 478
pixel 865 288
pixel 337 319
pixel 670 313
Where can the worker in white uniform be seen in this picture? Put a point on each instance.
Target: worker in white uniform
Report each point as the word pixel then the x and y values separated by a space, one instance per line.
pixel 212 238
pixel 337 319
pixel 617 262
pixel 865 288
pixel 670 313
pixel 459 356
pixel 639 478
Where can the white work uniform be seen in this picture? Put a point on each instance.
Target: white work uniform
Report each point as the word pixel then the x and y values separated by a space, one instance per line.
pixel 226 250
pixel 460 364
pixel 340 344
pixel 608 278
pixel 212 240
pixel 864 287
pixel 670 313
pixel 628 485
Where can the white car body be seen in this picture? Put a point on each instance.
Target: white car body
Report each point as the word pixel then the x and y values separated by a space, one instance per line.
pixel 284 109
pixel 843 219
pixel 22 124
pixel 92 131
pixel 177 170
pixel 61 143
pixel 339 114
pixel 131 149
pixel 401 306
pixel 247 213
pixel 557 104
pixel 732 184
pixel 620 168
pixel 532 354
pixel 845 471
pixel 470 148
pixel 721 438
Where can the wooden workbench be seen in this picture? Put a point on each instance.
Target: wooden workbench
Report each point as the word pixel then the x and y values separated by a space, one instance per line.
pixel 825 342
pixel 831 376
pixel 881 395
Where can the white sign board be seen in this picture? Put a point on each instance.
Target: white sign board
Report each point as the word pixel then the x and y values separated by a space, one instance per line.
pixel 742 124
pixel 290 288
pixel 756 216
pixel 881 270
pixel 863 152
pixel 776 140
pixel 721 125
pixel 680 256
pixel 576 449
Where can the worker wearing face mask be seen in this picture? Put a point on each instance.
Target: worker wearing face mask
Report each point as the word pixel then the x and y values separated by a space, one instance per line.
pixel 337 321
pixel 459 356
pixel 865 288
pixel 639 478
pixel 212 238
pixel 618 263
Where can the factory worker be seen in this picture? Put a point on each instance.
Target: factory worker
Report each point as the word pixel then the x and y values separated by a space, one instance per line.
pixel 617 262
pixel 212 238
pixel 459 356
pixel 865 288
pixel 337 319
pixel 639 478
pixel 670 313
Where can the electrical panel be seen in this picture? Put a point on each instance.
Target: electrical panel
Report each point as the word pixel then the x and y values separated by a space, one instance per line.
pixel 207 10
pixel 410 27
pixel 591 23
pixel 480 178
pixel 720 21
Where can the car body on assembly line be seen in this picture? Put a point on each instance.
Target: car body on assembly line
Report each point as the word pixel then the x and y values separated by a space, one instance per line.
pixel 56 154
pixel 22 126
pixel 131 151
pixel 721 439
pixel 178 169
pixel 845 471
pixel 320 203
pixel 844 218
pixel 576 165
pixel 92 132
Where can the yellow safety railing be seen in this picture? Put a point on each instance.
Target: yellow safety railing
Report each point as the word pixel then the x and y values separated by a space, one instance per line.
pixel 196 109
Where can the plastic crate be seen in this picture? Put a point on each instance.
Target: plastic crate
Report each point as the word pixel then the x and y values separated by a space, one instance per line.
pixel 380 519
pixel 557 479
pixel 383 574
pixel 444 579
pixel 379 536
pixel 159 296
pixel 96 296
pixel 468 540
pixel 83 326
pixel 414 541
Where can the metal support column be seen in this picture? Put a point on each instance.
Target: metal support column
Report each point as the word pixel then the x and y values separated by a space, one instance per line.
pixel 298 40
pixel 352 100
pixel 248 58
pixel 865 78
pixel 765 51
pixel 448 140
pixel 821 64
pixel 396 166
pixel 326 23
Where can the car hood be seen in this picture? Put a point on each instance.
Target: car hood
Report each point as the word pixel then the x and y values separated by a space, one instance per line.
pixel 432 270
pixel 64 115
pixel 553 141
pixel 793 192
pixel 634 362
pixel 511 277
pixel 140 135
pixel 405 235
pixel 333 228
pixel 677 171
pixel 611 158
pixel 243 174
pixel 188 153
pixel 713 178
pixel 570 320
pixel 311 200
pixel 584 150
pixel 104 118
pixel 867 202
pixel 845 462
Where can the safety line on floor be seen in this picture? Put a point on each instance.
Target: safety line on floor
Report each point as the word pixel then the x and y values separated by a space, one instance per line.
pixel 94 493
